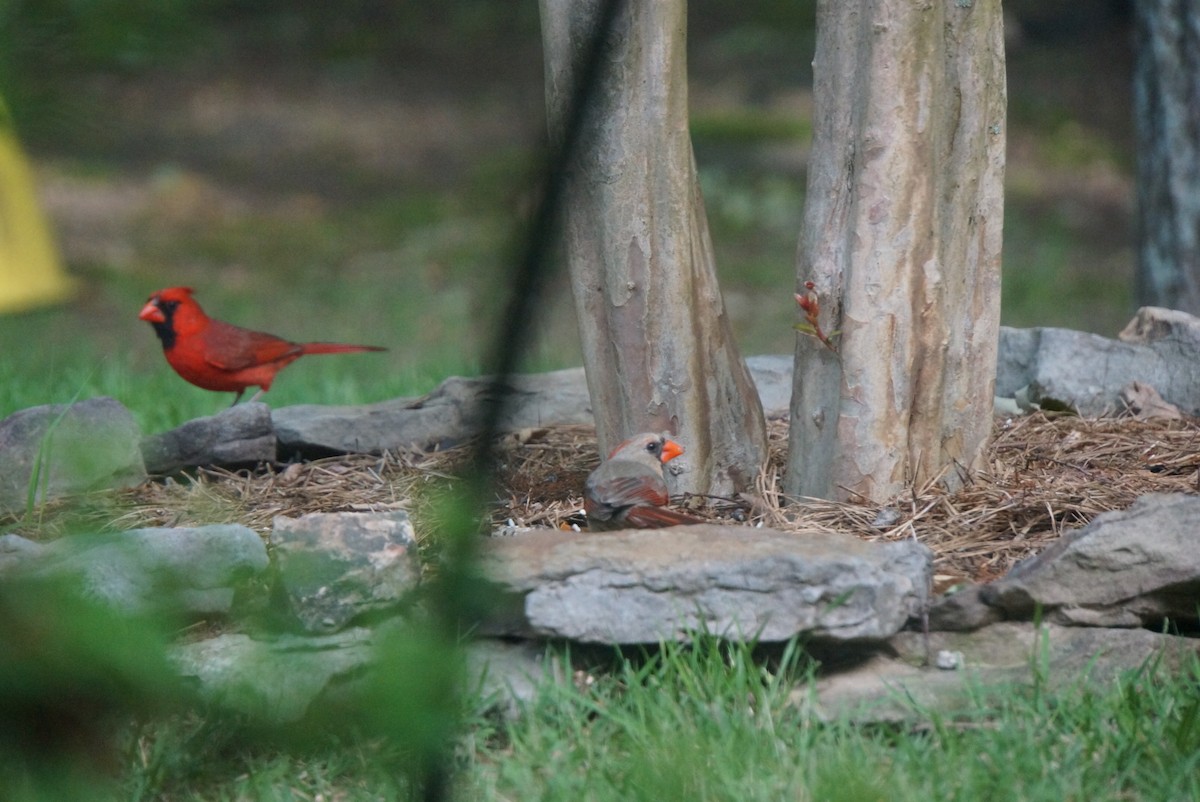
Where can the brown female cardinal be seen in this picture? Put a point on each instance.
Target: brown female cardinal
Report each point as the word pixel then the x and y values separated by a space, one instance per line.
pixel 628 491
pixel 220 356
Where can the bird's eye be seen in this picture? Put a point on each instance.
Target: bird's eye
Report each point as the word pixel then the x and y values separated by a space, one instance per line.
pixel 653 447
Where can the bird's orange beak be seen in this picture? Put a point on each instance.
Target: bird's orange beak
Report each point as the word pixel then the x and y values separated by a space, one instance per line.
pixel 152 314
pixel 671 450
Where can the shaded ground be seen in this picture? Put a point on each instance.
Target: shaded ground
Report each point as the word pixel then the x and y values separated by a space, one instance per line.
pixel 1042 477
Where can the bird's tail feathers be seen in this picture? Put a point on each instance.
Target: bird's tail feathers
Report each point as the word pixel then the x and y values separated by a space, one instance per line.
pixel 337 348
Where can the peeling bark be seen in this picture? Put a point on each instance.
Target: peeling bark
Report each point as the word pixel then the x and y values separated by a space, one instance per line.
pixel 901 236
pixel 657 344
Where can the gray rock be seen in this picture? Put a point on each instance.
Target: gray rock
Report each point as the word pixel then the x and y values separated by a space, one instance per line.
pixel 506 676
pixel 892 684
pixel 334 567
pixel 273 680
pixel 68 449
pixel 772 376
pixel 1126 568
pixel 1154 324
pixel 452 412
pixel 947 660
pixel 1089 372
pixel 240 434
pixel 16 551
pixel 276 680
pixel 643 586
pixel 963 611
pixel 189 572
pixel 445 417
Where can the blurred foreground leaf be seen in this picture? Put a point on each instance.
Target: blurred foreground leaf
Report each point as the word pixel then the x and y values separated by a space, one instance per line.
pixel 73 676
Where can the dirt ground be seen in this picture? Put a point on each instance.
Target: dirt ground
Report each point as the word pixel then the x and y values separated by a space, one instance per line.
pixel 1042 477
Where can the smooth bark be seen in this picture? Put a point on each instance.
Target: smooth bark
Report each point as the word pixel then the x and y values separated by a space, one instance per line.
pixel 901 237
pixel 657 344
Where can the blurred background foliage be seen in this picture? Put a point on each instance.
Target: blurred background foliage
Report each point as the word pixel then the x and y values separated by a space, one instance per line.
pixel 360 171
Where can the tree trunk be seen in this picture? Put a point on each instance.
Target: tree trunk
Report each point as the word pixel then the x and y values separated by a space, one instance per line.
pixel 657 345
pixel 901 238
pixel 1166 104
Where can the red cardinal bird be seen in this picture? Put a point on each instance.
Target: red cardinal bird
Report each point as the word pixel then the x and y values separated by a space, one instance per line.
pixel 627 491
pixel 220 356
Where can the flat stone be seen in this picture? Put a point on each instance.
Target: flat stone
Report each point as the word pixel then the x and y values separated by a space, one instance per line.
pixel 185 571
pixel 892 684
pixel 66 449
pixel 645 586
pixel 453 411
pixel 772 375
pixel 1155 324
pixel 272 679
pixel 1089 372
pixel 278 679
pixel 1127 568
pixel 963 611
pixel 507 676
pixel 16 551
pixel 239 435
pixel 443 418
pixel 336 567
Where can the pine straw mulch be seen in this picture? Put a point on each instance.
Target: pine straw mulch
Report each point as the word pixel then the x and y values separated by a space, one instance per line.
pixel 1042 477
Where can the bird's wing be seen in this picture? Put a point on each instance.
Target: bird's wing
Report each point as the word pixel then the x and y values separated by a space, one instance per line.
pixel 232 348
pixel 623 485
pixel 644 517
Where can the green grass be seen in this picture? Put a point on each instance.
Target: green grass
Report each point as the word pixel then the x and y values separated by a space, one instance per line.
pixel 421 273
pixel 710 723
pixel 140 378
pixel 1050 279
pixel 714 721
pixel 419 277
pixel 748 128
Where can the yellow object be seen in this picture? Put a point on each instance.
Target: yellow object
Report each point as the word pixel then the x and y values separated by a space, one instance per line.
pixel 30 272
